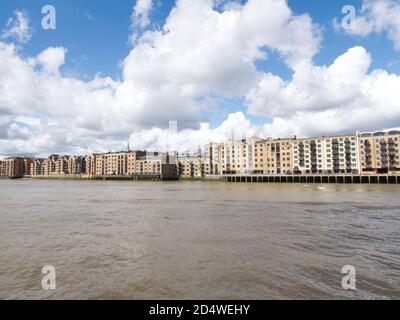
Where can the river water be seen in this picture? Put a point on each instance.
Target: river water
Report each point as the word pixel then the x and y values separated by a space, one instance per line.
pixel 198 240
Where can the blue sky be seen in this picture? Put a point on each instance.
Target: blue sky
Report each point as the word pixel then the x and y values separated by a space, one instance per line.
pixel 94 39
pixel 96 33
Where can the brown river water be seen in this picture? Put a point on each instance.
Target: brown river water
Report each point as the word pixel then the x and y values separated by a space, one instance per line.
pixel 198 240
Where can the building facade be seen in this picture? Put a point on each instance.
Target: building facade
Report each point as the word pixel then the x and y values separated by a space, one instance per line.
pixel 361 153
pixel 234 157
pixel 211 159
pixel 278 156
pixel 15 167
pixel 379 152
pixel 56 165
pixel 191 166
pixel 131 163
pixel 326 155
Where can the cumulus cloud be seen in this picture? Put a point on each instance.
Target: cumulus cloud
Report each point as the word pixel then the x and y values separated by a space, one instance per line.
pixel 206 51
pixel 18 28
pixel 201 51
pixel 378 16
pixel 342 97
pixel 236 126
pixel 52 59
pixel 141 11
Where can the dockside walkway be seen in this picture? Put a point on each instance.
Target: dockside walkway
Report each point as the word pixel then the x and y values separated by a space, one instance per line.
pixel 321 179
pixel 339 179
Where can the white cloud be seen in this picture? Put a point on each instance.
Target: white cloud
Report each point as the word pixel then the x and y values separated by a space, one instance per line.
pixel 18 28
pixel 342 97
pixel 189 140
pixel 141 11
pixel 377 16
pixel 205 52
pixel 52 59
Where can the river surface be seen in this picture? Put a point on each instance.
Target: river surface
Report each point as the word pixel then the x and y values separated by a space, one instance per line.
pixel 198 240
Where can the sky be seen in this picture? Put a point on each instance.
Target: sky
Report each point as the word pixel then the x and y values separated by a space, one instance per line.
pixel 113 72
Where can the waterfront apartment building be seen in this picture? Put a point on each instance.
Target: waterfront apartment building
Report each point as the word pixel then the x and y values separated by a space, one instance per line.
pixel 155 164
pixel 234 157
pixel 37 167
pixel 130 163
pixel 211 159
pixel 326 155
pixel 56 165
pixel 323 155
pixel 379 152
pixel 111 164
pixel 50 165
pixel 256 156
pixel 361 153
pixel 277 156
pixel 15 167
pixel 191 166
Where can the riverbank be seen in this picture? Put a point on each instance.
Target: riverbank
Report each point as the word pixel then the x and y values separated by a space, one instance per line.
pixel 325 179
pixel 287 179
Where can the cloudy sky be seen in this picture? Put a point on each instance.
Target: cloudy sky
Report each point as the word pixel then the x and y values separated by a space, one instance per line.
pixel 118 71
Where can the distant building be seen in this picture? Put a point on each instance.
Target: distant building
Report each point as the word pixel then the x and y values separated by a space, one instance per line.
pixel 131 163
pixel 15 167
pixel 361 153
pixel 56 165
pixel 211 159
pixel 234 157
pixel 326 155
pixel 277 156
pixel 37 167
pixel 379 152
pixel 190 166
pixel 323 155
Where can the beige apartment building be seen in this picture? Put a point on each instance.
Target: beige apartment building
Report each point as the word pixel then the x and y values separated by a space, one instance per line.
pixel 15 167
pixel 132 158
pixel 131 163
pixel 111 164
pixel 56 165
pixel 37 167
pixel 323 155
pixel 190 166
pixel 156 164
pixel 211 159
pixel 256 156
pixel 235 157
pixel 326 155
pixel 275 156
pixel 361 153
pixel 379 152
pixel 50 165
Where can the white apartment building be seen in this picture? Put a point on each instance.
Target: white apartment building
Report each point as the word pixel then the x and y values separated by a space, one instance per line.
pixel 326 155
